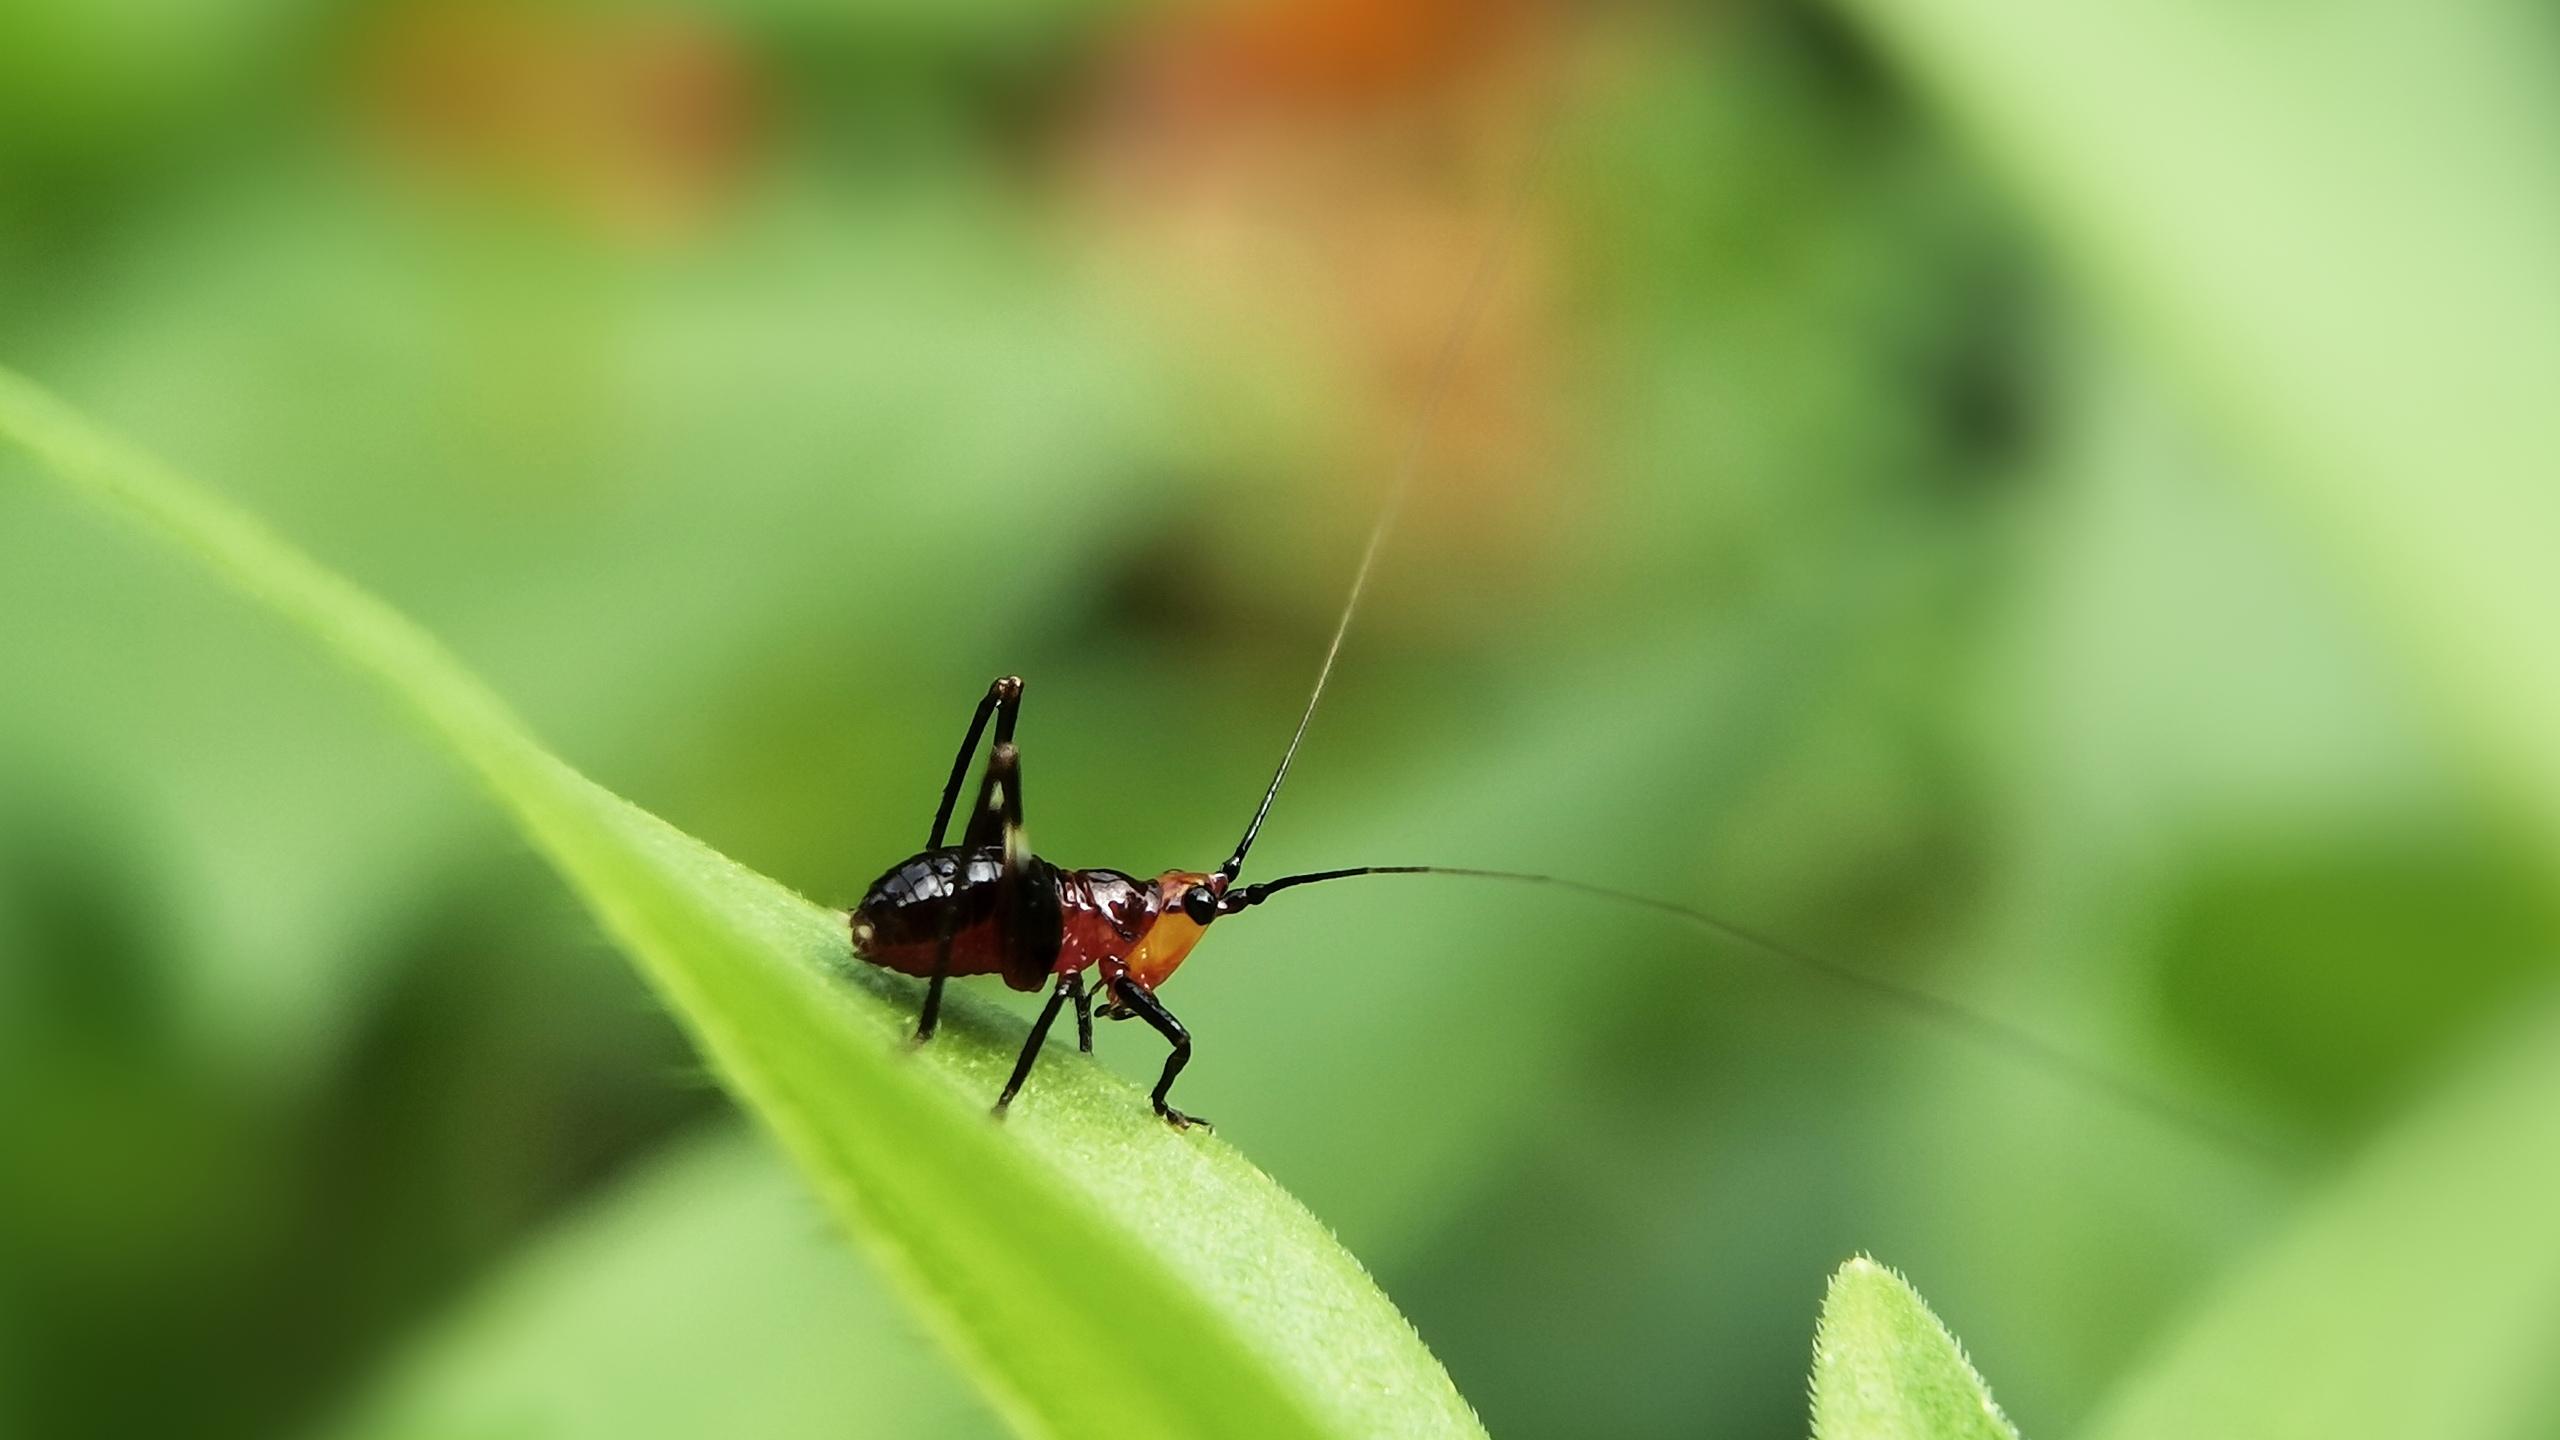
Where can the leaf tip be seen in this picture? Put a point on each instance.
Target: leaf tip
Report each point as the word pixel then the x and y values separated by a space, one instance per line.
pixel 1884 1367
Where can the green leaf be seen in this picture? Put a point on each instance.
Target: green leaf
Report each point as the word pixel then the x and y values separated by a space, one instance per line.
pixel 699 1296
pixel 2334 224
pixel 2420 1296
pixel 1100 1274
pixel 1885 1369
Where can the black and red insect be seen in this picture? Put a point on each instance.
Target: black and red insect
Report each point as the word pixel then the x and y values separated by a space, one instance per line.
pixel 988 906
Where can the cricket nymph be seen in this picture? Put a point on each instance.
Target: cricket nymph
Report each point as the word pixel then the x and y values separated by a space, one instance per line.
pixel 1061 922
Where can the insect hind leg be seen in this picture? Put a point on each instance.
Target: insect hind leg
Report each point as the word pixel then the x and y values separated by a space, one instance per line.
pixel 1028 921
pixel 1002 782
pixel 932 1012
pixel 1003 701
pixel 1028 924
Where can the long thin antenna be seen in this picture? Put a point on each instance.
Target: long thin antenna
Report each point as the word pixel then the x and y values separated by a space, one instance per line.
pixel 1444 368
pixel 1996 1035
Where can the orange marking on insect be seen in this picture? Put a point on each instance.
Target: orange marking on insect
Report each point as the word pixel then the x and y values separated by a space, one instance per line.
pixel 1158 952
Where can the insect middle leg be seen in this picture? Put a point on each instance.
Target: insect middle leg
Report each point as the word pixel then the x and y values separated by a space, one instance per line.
pixel 1070 987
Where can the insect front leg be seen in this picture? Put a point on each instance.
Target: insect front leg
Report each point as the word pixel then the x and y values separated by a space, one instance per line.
pixel 1147 1007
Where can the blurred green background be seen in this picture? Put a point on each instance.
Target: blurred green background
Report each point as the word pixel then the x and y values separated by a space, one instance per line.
pixel 1824 527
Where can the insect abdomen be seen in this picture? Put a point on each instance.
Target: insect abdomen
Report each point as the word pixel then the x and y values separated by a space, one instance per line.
pixel 901 918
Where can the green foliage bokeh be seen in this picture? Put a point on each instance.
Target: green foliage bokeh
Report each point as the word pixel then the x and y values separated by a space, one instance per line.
pixel 2046 505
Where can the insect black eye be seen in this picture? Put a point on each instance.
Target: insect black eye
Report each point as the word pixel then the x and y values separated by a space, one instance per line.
pixel 1199 904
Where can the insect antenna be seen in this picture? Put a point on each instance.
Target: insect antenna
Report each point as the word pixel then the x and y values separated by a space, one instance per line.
pixel 1993 1035
pixel 1444 368
pixel 1997 1036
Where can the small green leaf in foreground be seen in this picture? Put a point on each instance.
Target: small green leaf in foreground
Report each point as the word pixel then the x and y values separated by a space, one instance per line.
pixel 1098 1274
pixel 1885 1369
